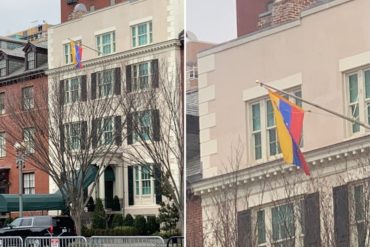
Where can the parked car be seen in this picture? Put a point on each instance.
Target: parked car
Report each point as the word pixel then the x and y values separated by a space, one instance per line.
pixel 40 226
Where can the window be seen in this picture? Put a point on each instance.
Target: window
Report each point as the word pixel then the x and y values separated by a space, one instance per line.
pixel 67 53
pixel 31 60
pixel 142 34
pixel 263 133
pixel 143 126
pixel 27 97
pixel 2 103
pixel 140 76
pixel 106 43
pixel 107 131
pixel 280 225
pixel 360 213
pixel 73 135
pixel 358 97
pixel 105 86
pixel 143 181
pixel 29 139
pixel 29 183
pixel 3 67
pixel 2 144
pixel 72 90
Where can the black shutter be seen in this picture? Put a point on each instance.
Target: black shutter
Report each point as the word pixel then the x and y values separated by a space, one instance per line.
pixel 128 78
pixel 129 129
pixel 341 216
pixel 117 81
pixel 118 130
pixel 84 135
pixel 312 220
pixel 83 88
pixel 93 86
pixel 157 183
pixel 244 228
pixel 94 132
pixel 156 125
pixel 130 185
pixel 62 142
pixel 61 92
pixel 155 73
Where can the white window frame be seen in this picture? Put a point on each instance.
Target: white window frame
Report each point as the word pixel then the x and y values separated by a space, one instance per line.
pixel 135 37
pixel 139 181
pixel 105 131
pixel 28 97
pixel 29 183
pixel 31 61
pixel 298 215
pixel 362 102
pixel 29 139
pixel 67 53
pixel 104 85
pixel 3 67
pixel 140 80
pixel 72 95
pixel 352 210
pixel 264 128
pixel 73 134
pixel 100 46
pixel 2 144
pixel 140 128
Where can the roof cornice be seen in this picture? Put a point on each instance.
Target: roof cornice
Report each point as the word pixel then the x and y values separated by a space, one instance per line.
pixel 149 49
pixel 328 156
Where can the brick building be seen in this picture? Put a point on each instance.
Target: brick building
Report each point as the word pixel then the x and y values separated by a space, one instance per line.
pixel 22 78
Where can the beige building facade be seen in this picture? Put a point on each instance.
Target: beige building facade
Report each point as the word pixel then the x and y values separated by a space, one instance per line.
pixel 124 37
pixel 323 57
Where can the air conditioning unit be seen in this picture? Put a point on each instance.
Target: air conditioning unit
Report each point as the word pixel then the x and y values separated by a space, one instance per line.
pixel 71 1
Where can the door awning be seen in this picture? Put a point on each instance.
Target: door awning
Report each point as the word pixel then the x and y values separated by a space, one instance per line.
pixel 39 202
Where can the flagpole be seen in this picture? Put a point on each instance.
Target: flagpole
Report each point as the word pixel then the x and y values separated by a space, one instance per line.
pixel 315 105
pixel 88 47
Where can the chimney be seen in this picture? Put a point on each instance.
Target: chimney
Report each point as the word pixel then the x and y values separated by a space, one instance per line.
pixel 283 11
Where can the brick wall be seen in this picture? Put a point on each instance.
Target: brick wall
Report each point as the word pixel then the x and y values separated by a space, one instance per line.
pixel 194 228
pixel 67 9
pixel 288 10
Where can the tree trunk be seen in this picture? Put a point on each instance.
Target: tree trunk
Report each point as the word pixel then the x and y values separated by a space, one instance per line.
pixel 76 216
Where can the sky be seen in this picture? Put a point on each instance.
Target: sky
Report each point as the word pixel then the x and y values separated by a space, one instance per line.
pixel 211 20
pixel 18 15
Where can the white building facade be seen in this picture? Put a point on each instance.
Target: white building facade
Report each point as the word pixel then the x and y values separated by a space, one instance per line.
pixel 314 57
pixel 124 47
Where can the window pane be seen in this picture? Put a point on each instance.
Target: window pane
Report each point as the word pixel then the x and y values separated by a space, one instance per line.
pixel 368 113
pixel 367 84
pixel 256 120
pixel 353 88
pixel 261 227
pixel 359 206
pixel 355 115
pixel 272 141
pixel 257 146
pixel 270 114
pixel 298 94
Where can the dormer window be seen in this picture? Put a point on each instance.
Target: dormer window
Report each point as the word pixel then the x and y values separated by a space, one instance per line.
pixel 3 67
pixel 30 60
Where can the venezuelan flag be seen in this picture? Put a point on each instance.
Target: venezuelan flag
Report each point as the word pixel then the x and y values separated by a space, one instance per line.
pixel 76 52
pixel 289 122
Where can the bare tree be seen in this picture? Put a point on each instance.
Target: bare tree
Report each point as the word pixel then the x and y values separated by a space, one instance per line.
pixel 155 129
pixel 68 133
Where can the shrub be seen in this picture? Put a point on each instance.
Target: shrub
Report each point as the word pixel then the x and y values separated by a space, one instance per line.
pixel 129 220
pixel 117 220
pixel 99 217
pixel 152 225
pixel 116 205
pixel 90 205
pixel 140 224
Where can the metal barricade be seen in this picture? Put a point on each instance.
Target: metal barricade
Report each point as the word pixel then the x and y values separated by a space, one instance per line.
pixel 66 241
pixel 176 241
pixel 126 241
pixel 11 242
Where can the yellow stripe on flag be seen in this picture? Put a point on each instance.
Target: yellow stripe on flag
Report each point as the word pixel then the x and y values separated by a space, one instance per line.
pixel 73 52
pixel 285 140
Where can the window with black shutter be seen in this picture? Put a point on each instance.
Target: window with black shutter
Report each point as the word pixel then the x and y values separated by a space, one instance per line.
pixel 312 220
pixel 341 216
pixel 244 228
pixel 130 172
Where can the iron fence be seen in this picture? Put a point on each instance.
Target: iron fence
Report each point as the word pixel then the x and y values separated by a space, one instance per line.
pixel 126 241
pixel 176 241
pixel 73 241
pixel 11 242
